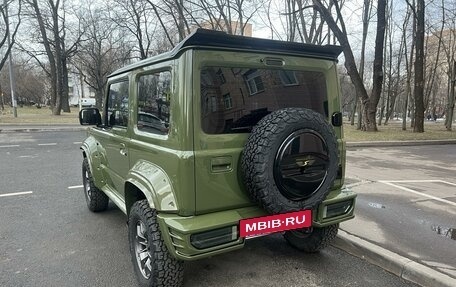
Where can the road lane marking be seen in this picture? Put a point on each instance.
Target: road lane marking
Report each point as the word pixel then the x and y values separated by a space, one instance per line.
pixel 16 193
pixel 421 181
pixel 47 144
pixel 412 181
pixel 75 186
pixel 77 143
pixel 13 145
pixel 418 193
pixel 28 156
pixel 362 182
pixel 449 183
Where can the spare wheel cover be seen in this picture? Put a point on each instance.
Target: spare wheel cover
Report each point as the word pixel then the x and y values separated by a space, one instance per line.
pixel 290 160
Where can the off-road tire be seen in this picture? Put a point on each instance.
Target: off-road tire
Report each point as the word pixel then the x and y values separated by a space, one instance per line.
pixel 314 241
pixel 166 271
pixel 262 147
pixel 96 199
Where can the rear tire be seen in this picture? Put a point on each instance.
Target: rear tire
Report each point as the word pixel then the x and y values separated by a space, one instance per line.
pixel 153 264
pixel 96 199
pixel 311 241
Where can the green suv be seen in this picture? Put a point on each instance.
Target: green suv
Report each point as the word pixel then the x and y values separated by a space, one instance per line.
pixel 222 139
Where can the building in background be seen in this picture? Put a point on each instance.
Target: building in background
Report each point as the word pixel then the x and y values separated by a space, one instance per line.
pixel 235 26
pixel 80 94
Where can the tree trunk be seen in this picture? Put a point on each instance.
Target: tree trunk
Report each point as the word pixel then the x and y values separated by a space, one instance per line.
pixel 2 104
pixel 350 63
pixel 99 98
pixel 451 99
pixel 353 112
pixel 55 101
pixel 66 92
pixel 378 65
pixel 419 68
pixel 359 124
pixel 366 14
pixel 386 93
pixel 409 66
pixel 391 107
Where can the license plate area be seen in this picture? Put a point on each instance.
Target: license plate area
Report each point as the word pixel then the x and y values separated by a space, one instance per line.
pixel 275 223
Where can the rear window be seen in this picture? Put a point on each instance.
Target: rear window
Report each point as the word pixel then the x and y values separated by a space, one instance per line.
pixel 233 100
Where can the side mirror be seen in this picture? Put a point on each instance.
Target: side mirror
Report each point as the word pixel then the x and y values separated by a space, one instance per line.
pixel 89 116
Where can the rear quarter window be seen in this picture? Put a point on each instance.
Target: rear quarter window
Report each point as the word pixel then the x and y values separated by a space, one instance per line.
pixel 153 102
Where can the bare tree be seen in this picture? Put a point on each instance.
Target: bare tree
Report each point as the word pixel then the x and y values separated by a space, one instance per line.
pixel 304 24
pixel 409 67
pixel 136 17
pixel 30 83
pixel 53 34
pixel 448 42
pixel 178 18
pixel 451 98
pixel 7 39
pixel 55 63
pixel 369 104
pixel 418 9
pixel 103 50
pixel 367 10
pixel 394 82
pixel 433 59
pixel 5 29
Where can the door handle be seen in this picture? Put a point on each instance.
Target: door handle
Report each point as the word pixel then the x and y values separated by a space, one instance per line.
pixel 123 149
pixel 221 164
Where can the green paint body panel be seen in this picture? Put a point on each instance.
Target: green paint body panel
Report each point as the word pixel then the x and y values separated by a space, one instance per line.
pixel 177 230
pixel 191 178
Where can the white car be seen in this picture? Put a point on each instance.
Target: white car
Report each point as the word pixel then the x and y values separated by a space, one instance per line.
pixel 88 102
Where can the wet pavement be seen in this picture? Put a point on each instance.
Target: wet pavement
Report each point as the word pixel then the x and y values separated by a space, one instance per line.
pixel 49 238
pixel 407 202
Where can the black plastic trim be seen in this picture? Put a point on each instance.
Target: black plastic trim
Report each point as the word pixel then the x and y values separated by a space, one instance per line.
pixel 337 119
pixel 203 38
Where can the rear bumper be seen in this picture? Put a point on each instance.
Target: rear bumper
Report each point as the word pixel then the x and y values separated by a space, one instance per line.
pixel 177 230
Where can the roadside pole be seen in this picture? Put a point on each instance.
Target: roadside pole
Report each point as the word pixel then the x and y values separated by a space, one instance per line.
pixel 451 98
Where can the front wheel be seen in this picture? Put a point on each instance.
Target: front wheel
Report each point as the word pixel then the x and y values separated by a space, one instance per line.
pixel 153 264
pixel 311 240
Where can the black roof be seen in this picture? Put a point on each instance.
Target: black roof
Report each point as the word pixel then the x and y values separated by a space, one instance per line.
pixel 203 38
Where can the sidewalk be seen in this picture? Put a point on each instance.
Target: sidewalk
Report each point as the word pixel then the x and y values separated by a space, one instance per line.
pixel 354 145
pixel 403 267
pixel 8 128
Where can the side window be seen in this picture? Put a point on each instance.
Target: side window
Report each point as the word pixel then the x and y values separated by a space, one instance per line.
pixel 153 102
pixel 117 104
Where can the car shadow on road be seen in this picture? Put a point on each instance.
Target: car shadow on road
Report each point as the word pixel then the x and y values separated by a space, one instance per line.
pixel 270 261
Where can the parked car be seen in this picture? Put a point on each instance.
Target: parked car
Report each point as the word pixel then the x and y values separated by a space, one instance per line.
pixel 87 102
pixel 222 139
pixel 146 120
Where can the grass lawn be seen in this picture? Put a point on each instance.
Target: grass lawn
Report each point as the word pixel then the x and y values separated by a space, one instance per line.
pixel 33 115
pixel 393 132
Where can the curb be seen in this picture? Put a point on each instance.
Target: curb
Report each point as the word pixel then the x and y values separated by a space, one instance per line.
pixel 402 267
pixel 399 143
pixel 349 145
pixel 41 129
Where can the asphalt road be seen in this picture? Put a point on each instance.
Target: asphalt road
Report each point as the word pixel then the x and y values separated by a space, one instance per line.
pixel 49 238
pixel 407 201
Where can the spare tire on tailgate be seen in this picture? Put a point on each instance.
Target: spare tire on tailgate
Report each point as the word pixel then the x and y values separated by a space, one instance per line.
pixel 290 160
